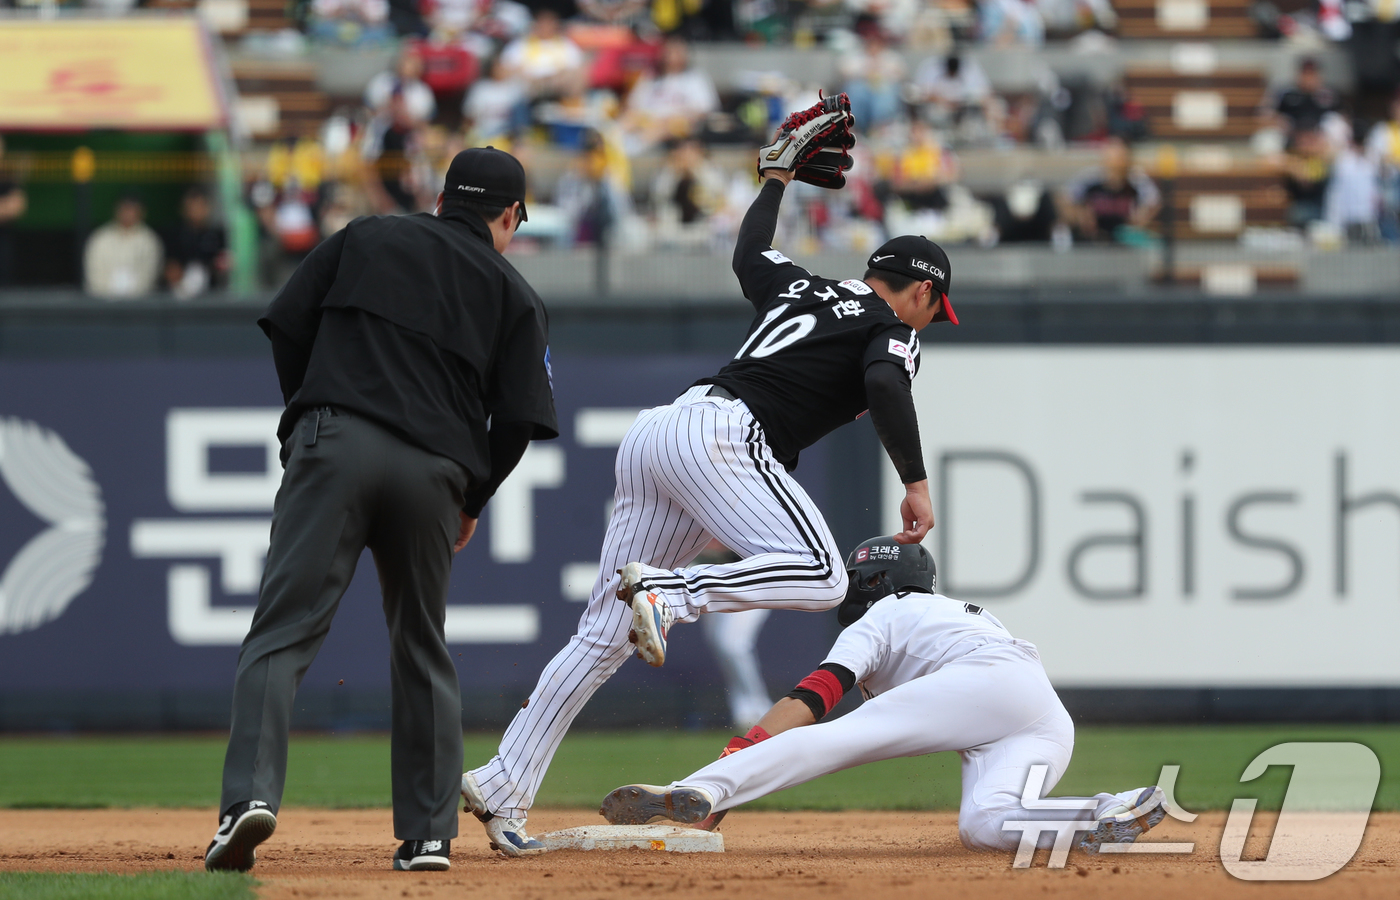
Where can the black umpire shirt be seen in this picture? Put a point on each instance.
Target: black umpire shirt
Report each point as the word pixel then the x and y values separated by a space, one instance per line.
pixel 417 323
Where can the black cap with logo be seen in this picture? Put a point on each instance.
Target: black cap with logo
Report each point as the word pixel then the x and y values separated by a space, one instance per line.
pixel 919 258
pixel 487 175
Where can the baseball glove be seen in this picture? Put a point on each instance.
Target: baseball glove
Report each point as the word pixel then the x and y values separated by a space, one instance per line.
pixel 814 143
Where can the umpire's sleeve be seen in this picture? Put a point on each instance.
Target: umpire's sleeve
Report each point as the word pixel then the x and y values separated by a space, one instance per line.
pixel 296 310
pixel 521 383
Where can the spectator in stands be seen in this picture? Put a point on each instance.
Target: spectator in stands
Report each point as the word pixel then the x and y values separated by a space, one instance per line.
pixel 350 23
pixel 196 254
pixel 1117 195
pixel 890 16
pixel 392 149
pixel 591 195
pixel 685 192
pixel 406 81
pixel 1025 213
pixel 1066 17
pixel 1006 23
pixel 496 106
pixel 957 95
pixel 1383 149
pixel 577 111
pixel 1353 196
pixel 613 12
pixel 13 203
pixel 481 26
pixel 873 74
pixel 1303 106
pixel 672 104
pixel 1307 168
pixel 122 258
pixel 545 59
pixel 953 84
pixel 923 169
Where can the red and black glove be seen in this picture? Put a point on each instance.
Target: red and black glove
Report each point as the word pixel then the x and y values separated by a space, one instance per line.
pixel 814 143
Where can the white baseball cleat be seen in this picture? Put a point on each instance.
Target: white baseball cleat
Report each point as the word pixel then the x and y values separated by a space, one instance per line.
pixel 507 835
pixel 1139 811
pixel 651 615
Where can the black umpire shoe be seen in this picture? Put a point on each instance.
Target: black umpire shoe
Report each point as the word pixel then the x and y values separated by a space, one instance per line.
pixel 423 856
pixel 244 826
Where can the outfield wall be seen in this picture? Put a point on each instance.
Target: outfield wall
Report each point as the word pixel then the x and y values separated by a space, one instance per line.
pixel 1255 447
pixel 134 520
pixel 1188 517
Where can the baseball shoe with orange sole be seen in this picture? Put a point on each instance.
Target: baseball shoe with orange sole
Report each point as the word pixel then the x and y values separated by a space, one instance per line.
pixel 651 615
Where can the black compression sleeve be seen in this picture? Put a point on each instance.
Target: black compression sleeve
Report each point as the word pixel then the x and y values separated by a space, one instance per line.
pixel 290 359
pixel 888 391
pixel 508 441
pixel 759 225
pixel 814 700
pixel 843 675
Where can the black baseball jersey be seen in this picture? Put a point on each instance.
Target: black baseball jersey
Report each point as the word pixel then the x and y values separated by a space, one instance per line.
pixel 417 323
pixel 801 369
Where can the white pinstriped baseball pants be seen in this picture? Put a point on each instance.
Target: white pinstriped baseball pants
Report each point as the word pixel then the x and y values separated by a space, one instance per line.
pixel 695 470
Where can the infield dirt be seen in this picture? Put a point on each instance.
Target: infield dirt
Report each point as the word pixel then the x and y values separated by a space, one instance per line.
pixel 345 853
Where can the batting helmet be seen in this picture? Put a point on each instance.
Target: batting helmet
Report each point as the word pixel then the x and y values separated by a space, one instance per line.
pixel 879 567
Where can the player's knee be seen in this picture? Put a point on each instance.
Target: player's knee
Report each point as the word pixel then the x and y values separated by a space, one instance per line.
pixel 985 834
pixel 981 828
pixel 836 589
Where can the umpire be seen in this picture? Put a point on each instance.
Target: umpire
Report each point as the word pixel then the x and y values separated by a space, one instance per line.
pixel 396 341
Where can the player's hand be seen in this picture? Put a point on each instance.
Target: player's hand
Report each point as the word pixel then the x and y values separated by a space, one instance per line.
pixel 782 175
pixel 465 533
pixel 917 512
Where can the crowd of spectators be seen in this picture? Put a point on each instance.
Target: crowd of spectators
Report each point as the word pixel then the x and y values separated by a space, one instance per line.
pixel 630 143
pixel 1341 173
pixel 125 258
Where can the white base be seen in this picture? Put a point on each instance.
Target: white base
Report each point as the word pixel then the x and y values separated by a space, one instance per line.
pixel 671 838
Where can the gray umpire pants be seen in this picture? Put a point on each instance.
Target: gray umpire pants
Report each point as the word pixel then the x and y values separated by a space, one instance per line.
pixel 350 484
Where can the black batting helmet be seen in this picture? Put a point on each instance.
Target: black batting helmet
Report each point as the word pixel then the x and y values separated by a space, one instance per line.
pixel 879 567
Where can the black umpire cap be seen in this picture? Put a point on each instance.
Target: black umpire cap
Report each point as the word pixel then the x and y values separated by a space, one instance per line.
pixel 487 175
pixel 919 258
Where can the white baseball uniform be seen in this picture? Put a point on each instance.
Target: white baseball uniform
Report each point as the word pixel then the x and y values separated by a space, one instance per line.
pixel 686 473
pixel 937 674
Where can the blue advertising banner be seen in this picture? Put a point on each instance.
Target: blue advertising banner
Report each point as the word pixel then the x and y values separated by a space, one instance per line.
pixel 135 499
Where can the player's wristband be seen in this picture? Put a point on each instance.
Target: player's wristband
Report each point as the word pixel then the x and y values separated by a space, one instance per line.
pixel 821 691
pixel 737 743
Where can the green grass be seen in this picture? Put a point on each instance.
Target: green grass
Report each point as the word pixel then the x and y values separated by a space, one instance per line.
pixel 150 886
pixel 331 771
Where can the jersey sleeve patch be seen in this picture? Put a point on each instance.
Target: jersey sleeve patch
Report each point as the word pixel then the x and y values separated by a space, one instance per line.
pixel 776 257
pixel 855 286
pixel 907 353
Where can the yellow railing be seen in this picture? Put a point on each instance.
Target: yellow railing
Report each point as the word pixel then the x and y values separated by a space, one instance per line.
pixel 83 165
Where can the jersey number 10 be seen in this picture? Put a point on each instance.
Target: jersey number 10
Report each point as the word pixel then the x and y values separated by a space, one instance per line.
pixel 783 335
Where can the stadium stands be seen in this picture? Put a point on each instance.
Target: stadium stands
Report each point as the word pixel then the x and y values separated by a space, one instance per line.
pixel 1192 84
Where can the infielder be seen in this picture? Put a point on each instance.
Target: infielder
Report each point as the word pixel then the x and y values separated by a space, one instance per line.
pixel 937 674
pixel 714 465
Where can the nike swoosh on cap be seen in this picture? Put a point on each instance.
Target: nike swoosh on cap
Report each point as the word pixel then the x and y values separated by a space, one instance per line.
pixel 876 259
